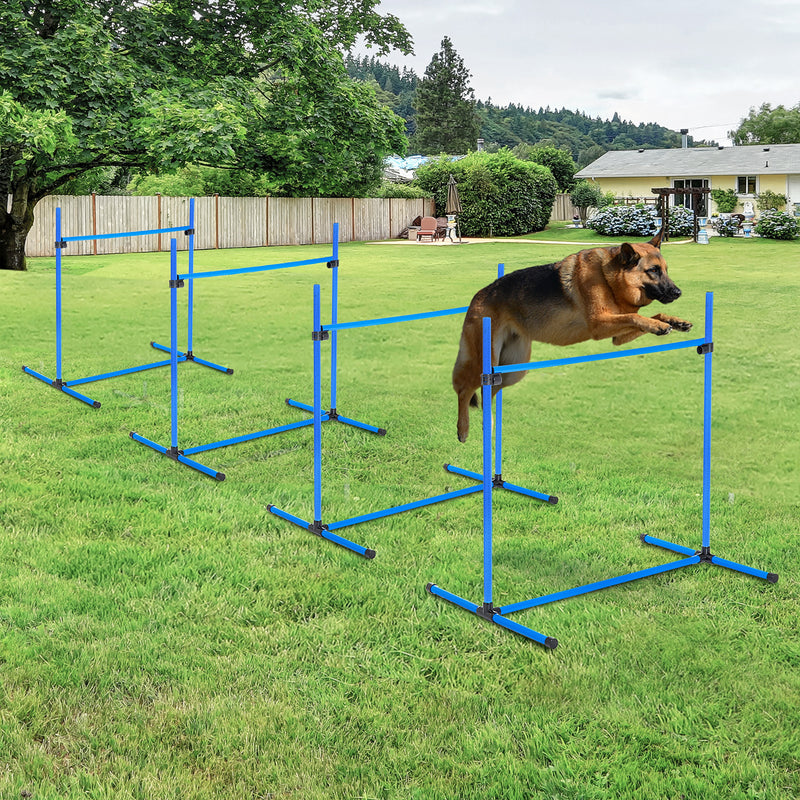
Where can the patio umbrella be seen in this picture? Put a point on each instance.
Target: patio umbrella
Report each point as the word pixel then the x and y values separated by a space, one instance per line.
pixel 453 202
pixel 453 205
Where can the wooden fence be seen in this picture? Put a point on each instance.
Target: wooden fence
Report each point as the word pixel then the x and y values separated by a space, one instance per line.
pixel 220 222
pixel 224 222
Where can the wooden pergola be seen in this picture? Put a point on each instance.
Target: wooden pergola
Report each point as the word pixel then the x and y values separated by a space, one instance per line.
pixel 663 204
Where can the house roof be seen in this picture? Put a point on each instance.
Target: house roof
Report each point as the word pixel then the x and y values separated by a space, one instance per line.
pixel 696 162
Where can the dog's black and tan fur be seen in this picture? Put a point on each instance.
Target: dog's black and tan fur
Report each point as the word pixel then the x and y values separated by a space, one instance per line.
pixel 593 294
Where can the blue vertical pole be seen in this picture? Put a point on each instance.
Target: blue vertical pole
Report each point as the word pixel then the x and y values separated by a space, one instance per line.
pixel 487 465
pixel 707 422
pixel 173 341
pixel 190 320
pixel 58 294
pixel 498 414
pixel 317 411
pixel 334 312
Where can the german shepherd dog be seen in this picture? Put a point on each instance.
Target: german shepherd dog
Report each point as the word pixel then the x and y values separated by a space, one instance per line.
pixel 593 294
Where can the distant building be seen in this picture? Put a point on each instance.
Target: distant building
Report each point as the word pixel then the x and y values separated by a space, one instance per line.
pixel 748 170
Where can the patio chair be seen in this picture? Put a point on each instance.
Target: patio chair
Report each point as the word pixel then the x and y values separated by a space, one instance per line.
pixel 427 228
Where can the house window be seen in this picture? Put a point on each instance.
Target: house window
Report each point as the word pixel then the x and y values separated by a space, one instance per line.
pixel 695 202
pixel 746 184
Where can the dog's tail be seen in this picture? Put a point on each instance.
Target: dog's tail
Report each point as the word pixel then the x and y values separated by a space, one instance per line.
pixel 474 401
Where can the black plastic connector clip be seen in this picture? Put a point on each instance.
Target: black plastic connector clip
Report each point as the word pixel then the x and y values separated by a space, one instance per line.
pixel 189 232
pixel 320 336
pixel 498 482
pixel 178 284
pixel 61 245
pixel 706 557
pixel 173 453
pixel 487 611
pixel 703 349
pixel 189 355
pixel 491 379
pixel 333 264
pixel 317 527
pixel 333 414
pixel 57 384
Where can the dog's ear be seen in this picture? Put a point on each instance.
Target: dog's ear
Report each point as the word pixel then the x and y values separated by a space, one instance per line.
pixel 628 256
pixel 656 240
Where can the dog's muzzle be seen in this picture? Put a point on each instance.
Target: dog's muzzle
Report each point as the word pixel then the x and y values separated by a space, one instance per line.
pixel 664 294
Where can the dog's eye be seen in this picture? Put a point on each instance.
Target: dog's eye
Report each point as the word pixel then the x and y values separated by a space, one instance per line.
pixel 654 271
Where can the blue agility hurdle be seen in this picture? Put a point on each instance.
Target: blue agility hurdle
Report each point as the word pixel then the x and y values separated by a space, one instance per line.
pixel 324 529
pixel 177 281
pixel 487 610
pixel 65 386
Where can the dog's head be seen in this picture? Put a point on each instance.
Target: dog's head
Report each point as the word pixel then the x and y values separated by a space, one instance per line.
pixel 644 272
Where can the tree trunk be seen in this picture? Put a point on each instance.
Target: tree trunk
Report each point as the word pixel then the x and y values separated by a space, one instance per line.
pixel 14 228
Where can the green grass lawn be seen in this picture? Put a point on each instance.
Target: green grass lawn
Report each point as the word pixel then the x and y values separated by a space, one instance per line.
pixel 164 636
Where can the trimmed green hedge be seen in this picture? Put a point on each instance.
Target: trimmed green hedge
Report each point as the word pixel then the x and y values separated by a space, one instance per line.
pixel 500 194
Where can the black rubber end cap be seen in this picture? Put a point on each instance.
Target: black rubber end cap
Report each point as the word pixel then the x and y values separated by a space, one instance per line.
pixel 24 368
pixel 643 537
pixel 428 587
pixel 369 555
pixel 553 500
pixel 446 466
pixel 772 577
pixel 550 643
pixel 381 431
pixel 220 476
pixel 287 401
pixel 131 434
pixel 96 404
pixel 152 344
pixel 229 371
pixel 270 506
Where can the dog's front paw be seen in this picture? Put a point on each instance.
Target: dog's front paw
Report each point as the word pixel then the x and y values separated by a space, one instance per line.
pixel 664 331
pixel 682 325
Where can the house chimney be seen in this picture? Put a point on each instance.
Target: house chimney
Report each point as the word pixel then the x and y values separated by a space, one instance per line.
pixel 684 138
pixel 480 145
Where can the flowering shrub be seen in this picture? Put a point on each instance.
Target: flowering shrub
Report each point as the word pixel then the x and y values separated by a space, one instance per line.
pixel 776 225
pixel 640 221
pixel 727 226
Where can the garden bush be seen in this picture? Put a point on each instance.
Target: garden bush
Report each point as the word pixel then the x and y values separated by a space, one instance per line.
pixel 776 225
pixel 387 189
pixel 640 220
pixel 727 226
pixel 500 194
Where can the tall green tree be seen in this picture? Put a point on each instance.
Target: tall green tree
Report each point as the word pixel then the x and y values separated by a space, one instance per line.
pixel 769 125
pixel 446 118
pixel 154 84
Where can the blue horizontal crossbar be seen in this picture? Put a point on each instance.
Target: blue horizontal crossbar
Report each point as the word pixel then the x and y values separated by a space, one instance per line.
pixel 121 235
pixel 249 437
pixel 366 323
pixel 594 587
pixel 244 270
pixel 640 351
pixel 508 624
pixel 388 512
pixel 128 371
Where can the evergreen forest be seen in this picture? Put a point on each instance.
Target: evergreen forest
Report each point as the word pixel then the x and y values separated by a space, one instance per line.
pixel 515 125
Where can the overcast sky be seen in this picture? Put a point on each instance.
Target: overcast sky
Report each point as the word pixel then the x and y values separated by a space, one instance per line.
pixel 680 63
